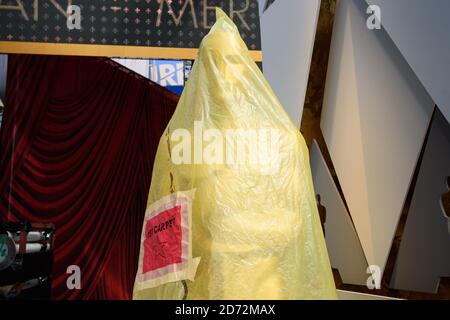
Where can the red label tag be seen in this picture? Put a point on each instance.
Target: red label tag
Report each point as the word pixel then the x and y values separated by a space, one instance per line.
pixel 163 240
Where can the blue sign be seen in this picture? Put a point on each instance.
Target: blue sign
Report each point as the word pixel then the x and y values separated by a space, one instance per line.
pixel 167 73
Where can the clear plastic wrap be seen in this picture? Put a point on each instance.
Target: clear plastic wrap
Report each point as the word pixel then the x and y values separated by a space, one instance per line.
pixel 255 231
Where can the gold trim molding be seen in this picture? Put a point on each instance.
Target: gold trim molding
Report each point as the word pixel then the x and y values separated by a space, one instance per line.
pixel 72 49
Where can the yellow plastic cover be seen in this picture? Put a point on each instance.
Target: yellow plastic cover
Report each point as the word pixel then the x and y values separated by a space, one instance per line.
pixel 255 225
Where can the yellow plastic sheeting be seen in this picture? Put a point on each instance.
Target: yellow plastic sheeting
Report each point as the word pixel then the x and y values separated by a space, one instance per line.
pixel 255 223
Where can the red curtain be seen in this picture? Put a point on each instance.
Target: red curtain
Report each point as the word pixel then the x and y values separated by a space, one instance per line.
pixel 77 146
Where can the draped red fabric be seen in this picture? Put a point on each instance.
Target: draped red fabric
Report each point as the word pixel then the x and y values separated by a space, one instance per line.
pixel 77 146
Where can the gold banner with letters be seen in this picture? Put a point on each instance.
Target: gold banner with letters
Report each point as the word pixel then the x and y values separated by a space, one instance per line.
pixel 136 29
